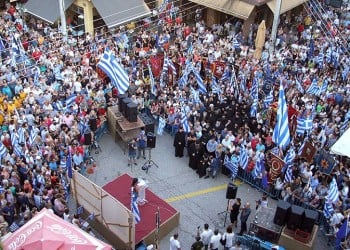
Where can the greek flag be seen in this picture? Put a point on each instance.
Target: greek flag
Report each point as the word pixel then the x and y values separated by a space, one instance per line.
pixel 303 125
pixel 114 71
pixel 21 135
pixel 14 138
pixel 254 108
pixel 83 127
pixel 290 156
pixel 320 59
pixel 3 150
pixel 329 55
pixel 328 210
pixel 281 134
pixel 333 193
pixel 183 79
pixel 268 99
pixel 226 75
pixel 243 158
pixel 259 165
pixel 313 89
pixel 301 147
pixel 135 209
pixel 184 122
pixel 32 136
pixel 243 80
pixel 17 149
pixel 215 88
pixel 288 178
pixel 324 86
pixel 70 100
pixel 161 125
pixel 254 94
pixel 232 165
pixel 199 81
pixel 195 95
pixel 171 66
pixel 36 75
pixel 58 106
pixel 2 45
pixel 236 44
pixel 299 86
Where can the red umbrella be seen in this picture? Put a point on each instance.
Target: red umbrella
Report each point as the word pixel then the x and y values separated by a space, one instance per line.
pixel 48 231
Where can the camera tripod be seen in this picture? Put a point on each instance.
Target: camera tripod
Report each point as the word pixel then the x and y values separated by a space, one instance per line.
pixel 149 163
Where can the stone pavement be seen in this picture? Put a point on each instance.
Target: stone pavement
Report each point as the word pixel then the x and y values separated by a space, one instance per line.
pixel 198 200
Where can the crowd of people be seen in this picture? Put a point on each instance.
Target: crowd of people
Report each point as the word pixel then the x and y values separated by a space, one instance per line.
pixel 52 113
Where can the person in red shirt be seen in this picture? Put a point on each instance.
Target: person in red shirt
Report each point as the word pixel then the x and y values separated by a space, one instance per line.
pixel 11 10
pixel 36 54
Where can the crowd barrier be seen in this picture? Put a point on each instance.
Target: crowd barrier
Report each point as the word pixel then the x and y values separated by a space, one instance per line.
pixel 275 194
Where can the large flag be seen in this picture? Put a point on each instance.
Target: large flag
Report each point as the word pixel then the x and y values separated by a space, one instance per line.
pixel 281 134
pixel 232 165
pixel 303 125
pixel 333 193
pixel 120 79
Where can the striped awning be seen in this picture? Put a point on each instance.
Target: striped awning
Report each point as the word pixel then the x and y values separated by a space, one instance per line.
pixel 235 8
pixel 286 5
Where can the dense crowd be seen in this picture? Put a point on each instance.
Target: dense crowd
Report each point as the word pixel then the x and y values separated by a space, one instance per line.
pixel 51 114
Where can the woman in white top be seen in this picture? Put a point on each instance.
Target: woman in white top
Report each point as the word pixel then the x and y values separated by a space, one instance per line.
pixel 228 236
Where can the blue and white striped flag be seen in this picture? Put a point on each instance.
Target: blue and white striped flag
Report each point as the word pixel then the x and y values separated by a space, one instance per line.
pixel 268 99
pixel 236 44
pixel 163 6
pixel 195 96
pixel 254 108
pixel 183 79
pixel 32 136
pixel 185 123
pixel 135 209
pixel 333 193
pixel 14 138
pixel 281 136
pixel 324 86
pixel 57 73
pixel 232 165
pixel 257 169
pixel 313 89
pixel 299 86
pixel 21 135
pixel 161 125
pixel 226 75
pixel 3 150
pixel 288 178
pixel 243 158
pixel 328 210
pixel 300 150
pixel 70 100
pixel 114 71
pixel 200 82
pixel 18 150
pixel 190 49
pixel 303 125
pixel 58 106
pixel 290 156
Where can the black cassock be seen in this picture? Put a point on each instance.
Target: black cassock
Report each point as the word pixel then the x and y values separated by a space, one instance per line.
pixel 195 152
pixel 179 143
pixel 202 167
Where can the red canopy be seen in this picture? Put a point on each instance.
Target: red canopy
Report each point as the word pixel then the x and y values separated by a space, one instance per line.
pixel 48 231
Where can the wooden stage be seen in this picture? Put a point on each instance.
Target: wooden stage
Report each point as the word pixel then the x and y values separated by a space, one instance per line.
pixel 145 230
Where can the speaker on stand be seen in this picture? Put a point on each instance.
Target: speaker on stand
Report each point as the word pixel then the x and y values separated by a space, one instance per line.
pixel 295 217
pixel 131 112
pixel 309 219
pixel 120 101
pixel 151 140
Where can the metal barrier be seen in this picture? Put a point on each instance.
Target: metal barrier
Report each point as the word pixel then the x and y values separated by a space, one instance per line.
pixel 275 194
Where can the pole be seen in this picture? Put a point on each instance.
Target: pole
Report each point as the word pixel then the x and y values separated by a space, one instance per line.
pixel 157 229
pixel 276 18
pixel 63 20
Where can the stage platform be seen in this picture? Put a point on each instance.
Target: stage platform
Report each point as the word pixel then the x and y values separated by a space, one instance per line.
pixel 145 230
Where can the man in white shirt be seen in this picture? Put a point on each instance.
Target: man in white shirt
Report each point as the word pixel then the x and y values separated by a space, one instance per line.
pixel 215 240
pixel 174 242
pixel 206 236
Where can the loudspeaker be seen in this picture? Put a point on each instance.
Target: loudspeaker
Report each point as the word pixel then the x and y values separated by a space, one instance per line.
pixel 120 101
pixel 131 112
pixel 231 191
pixel 309 219
pixel 281 213
pixel 295 217
pixel 335 3
pixel 125 103
pixel 148 121
pixel 151 140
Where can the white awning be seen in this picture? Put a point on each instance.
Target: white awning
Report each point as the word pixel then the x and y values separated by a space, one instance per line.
pixel 342 146
pixel 47 10
pixel 286 5
pixel 235 8
pixel 121 11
